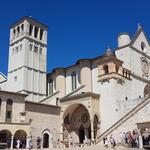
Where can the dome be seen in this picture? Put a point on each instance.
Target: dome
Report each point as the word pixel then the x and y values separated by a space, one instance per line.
pixel 109 52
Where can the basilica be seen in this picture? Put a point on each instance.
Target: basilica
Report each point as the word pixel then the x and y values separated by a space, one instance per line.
pixel 86 101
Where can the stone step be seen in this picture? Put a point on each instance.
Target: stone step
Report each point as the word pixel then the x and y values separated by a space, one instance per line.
pixel 123 119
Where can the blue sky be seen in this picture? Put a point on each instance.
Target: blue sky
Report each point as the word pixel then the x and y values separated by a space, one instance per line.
pixel 77 28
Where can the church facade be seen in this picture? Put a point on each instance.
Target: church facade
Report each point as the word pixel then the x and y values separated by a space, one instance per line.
pixel 81 101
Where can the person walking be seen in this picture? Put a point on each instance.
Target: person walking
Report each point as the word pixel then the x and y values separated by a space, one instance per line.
pixel 18 144
pixel 38 142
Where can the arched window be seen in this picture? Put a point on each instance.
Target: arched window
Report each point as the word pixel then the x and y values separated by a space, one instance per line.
pixel 14 33
pixel 18 30
pixel 106 71
pixel 73 81
pixel 50 87
pixel 22 27
pixel 9 110
pixel 41 34
pixel 30 29
pixel 117 69
pixel 143 47
pixel 36 32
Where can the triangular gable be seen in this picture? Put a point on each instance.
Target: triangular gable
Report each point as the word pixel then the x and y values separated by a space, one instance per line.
pixel 140 42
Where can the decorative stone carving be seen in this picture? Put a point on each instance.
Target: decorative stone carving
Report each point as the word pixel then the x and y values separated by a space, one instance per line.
pixel 147 90
pixel 145 66
pixel 85 118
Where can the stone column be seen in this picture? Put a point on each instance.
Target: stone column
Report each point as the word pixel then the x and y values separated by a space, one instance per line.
pixel 26 28
pixel 27 142
pixel 38 35
pixel 42 142
pixel 86 134
pixel 61 132
pixel 12 141
pixel 140 141
pixel 92 131
pixel 33 30
pixel 45 36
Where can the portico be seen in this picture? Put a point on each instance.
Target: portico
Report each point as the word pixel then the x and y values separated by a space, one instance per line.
pixel 80 118
pixel 13 131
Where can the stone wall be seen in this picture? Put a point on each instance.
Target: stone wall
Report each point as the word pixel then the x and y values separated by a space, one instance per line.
pixel 44 119
pixel 143 115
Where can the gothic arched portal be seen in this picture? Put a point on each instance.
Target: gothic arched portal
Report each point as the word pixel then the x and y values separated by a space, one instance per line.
pixel 77 122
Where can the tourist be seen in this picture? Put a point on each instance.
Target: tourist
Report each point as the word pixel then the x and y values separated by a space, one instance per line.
pixel 121 137
pixel 38 141
pixel 18 144
pixel 106 142
pixel 29 143
pixel 112 141
pixel 8 142
pixel 126 137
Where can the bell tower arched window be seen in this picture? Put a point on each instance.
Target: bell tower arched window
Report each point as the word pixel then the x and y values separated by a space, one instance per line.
pixel 30 29
pixel 106 71
pixel 9 104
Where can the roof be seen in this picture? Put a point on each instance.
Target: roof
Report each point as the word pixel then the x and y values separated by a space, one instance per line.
pixel 81 95
pixel 15 93
pixel 42 104
pixel 27 18
pixel 85 60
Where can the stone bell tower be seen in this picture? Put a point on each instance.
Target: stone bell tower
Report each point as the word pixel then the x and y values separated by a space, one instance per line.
pixel 27 58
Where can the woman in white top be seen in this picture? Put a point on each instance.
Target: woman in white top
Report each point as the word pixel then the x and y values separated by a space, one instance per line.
pixel 18 143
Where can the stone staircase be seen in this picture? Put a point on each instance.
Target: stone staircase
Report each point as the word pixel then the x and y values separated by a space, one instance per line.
pixel 95 147
pixel 123 119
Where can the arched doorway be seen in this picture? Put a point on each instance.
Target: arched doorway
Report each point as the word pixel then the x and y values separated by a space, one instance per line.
pixel 77 123
pixel 5 138
pixel 21 136
pixel 45 140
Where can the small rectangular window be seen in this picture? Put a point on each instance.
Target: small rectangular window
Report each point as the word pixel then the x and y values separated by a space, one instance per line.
pixel 15 78
pixel 35 49
pixel 31 47
pixel 20 48
pixel 41 50
pixel 17 49
pixel 13 51
pixel 8 114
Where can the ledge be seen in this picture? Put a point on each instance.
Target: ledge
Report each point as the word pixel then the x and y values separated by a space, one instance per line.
pixel 26 123
pixel 49 96
pixel 82 95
